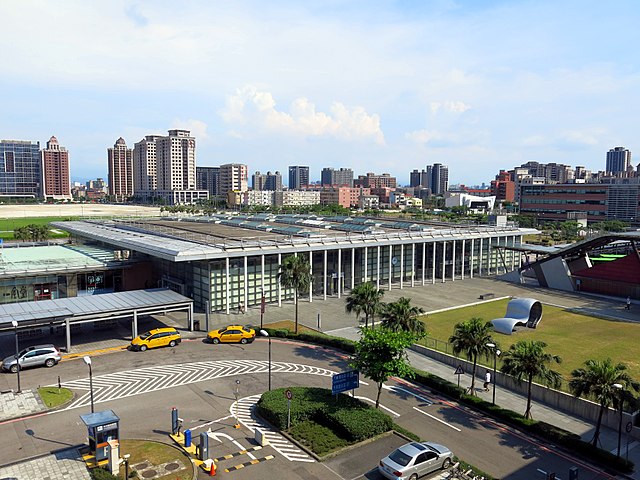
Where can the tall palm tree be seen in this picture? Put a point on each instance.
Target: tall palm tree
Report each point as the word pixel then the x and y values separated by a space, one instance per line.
pixel 528 360
pixel 596 380
pixel 402 316
pixel 472 337
pixel 364 299
pixel 295 273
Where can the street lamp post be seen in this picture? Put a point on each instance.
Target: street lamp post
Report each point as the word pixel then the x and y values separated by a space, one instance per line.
pixel 496 354
pixel 621 396
pixel 87 360
pixel 15 330
pixel 264 333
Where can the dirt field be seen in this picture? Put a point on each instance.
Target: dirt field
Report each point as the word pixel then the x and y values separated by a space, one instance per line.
pixel 76 210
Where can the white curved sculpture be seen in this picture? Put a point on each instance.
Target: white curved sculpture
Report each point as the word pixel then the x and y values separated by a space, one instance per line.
pixel 520 311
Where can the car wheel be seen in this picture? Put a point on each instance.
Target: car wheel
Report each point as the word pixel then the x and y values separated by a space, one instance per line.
pixel 143 348
pixel 172 343
pixel 49 363
pixel 414 477
pixel 447 463
pixel 215 341
pixel 14 369
pixel 243 341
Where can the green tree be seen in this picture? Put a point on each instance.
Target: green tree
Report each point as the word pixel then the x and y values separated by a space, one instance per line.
pixel 381 354
pixel 471 338
pixel 364 299
pixel 527 360
pixel 596 380
pixel 295 273
pixel 401 315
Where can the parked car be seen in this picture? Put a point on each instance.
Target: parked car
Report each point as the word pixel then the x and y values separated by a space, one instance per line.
pixel 415 459
pixel 36 356
pixel 232 334
pixel 158 337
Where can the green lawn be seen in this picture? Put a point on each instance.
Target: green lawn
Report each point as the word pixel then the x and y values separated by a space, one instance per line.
pixel 8 225
pixel 54 397
pixel 574 337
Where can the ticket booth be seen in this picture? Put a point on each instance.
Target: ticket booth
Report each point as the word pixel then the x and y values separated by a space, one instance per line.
pixel 102 427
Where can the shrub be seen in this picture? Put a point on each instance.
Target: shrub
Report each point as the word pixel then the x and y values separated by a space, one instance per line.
pixel 318 438
pixel 359 424
pixel 317 338
pixel 102 474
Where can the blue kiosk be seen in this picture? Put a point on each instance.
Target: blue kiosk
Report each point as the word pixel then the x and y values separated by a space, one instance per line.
pixel 103 433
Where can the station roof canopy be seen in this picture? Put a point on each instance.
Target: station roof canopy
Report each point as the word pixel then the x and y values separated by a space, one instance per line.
pixel 91 307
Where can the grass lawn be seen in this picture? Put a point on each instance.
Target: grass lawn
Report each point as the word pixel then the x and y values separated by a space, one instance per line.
pixel 8 225
pixel 574 337
pixel 288 325
pixel 54 398
pixel 157 453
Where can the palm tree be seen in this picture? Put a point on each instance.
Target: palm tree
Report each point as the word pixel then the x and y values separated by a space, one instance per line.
pixel 528 360
pixel 364 299
pixel 295 273
pixel 472 337
pixel 596 380
pixel 402 316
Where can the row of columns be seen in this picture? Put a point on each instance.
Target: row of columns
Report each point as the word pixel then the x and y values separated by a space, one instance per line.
pixel 488 264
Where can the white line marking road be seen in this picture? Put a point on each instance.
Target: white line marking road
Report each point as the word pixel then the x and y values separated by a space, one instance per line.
pixel 437 419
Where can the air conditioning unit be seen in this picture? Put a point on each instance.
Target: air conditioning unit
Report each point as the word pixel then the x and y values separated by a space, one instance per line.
pixel 117 254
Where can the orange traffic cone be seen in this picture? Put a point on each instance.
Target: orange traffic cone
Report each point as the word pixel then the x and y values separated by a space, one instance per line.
pixel 212 470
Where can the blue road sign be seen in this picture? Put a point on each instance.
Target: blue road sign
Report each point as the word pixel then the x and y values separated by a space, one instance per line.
pixel 342 382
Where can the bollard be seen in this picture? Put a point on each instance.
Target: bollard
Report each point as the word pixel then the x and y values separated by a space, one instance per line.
pixel 187 438
pixel 174 420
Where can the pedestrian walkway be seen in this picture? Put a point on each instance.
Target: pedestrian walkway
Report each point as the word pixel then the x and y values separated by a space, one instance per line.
pixel 13 404
pixel 62 465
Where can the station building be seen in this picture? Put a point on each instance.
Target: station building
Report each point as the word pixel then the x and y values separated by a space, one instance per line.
pixel 223 261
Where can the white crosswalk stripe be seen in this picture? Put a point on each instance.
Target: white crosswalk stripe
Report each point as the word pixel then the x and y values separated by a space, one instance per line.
pixel 247 417
pixel 125 384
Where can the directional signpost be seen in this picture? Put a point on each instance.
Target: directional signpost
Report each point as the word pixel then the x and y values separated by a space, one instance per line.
pixel 342 382
pixel 289 395
pixel 459 371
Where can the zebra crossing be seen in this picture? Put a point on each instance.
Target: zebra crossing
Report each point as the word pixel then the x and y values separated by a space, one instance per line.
pixel 247 417
pixel 115 386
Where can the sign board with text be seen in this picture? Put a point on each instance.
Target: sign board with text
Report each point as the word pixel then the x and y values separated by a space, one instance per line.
pixel 342 382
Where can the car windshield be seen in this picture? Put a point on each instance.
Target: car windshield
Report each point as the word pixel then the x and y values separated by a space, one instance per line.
pixel 433 449
pixel 222 330
pixel 400 458
pixel 144 336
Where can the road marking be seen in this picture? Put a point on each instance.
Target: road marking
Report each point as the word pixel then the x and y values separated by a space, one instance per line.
pixel 247 417
pixel 237 454
pixel 404 390
pixel 381 406
pixel 437 419
pixel 128 383
pixel 211 422
pixel 246 464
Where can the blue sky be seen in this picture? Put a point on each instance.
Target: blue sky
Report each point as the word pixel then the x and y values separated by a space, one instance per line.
pixel 378 86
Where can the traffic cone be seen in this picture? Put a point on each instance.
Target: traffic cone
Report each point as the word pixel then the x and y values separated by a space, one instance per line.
pixel 212 470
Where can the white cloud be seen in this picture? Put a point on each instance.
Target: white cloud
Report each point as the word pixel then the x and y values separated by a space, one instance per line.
pixel 423 136
pixel 257 108
pixel 449 106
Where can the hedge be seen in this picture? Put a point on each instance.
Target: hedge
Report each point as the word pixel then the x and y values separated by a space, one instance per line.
pixel 348 417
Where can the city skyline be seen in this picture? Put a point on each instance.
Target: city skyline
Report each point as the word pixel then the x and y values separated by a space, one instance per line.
pixel 375 87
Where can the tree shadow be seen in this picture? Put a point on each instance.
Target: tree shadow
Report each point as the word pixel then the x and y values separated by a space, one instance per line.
pixel 322 354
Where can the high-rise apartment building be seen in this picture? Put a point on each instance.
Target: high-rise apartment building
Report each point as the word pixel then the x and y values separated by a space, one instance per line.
pixel 208 178
pixel 144 165
pixel 372 180
pixel 266 181
pixel 233 177
pixel 341 177
pixel 120 178
pixel 298 176
pixel 618 160
pixel 418 178
pixel 438 178
pixel 55 171
pixel 20 169
pixel 164 167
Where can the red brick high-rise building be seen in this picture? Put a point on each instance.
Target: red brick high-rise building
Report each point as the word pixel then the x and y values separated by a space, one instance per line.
pixel 120 171
pixel 55 171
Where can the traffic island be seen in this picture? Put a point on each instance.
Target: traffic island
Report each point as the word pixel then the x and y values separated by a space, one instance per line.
pixel 154 460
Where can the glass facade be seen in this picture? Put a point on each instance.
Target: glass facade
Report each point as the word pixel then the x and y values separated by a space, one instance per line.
pixel 20 168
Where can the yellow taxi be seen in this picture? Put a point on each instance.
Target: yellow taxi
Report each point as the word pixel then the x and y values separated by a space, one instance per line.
pixel 232 334
pixel 158 337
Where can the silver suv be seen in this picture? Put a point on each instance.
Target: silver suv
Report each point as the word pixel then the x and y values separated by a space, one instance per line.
pixel 35 356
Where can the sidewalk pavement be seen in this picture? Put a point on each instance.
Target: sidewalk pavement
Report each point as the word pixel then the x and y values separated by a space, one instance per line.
pixel 62 465
pixel 14 405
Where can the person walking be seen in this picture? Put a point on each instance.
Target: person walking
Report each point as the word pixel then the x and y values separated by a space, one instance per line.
pixel 628 306
pixel 487 380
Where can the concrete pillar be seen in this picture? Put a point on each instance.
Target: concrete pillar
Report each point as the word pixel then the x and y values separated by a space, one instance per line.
pixel 471 259
pixel 480 258
pixel 226 285
pixel 279 284
pixel 246 284
pixel 444 260
pixel 413 265
pixel 390 265
pixel 366 263
pixel 378 269
pixel 68 332
pixel 424 261
pixel 262 274
pixel 401 265
pixel 324 283
pixel 433 265
pixel 453 262
pixel 134 325
pixel 353 267
pixel 311 272
pixel 190 317
pixel 462 271
pixel 339 272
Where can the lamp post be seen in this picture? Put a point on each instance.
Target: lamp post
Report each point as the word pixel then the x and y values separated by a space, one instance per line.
pixel 264 333
pixel 126 464
pixel 87 360
pixel 237 425
pixel 620 400
pixel 15 330
pixel 496 354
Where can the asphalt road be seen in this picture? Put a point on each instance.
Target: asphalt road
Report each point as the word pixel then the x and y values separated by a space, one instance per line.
pixel 208 403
